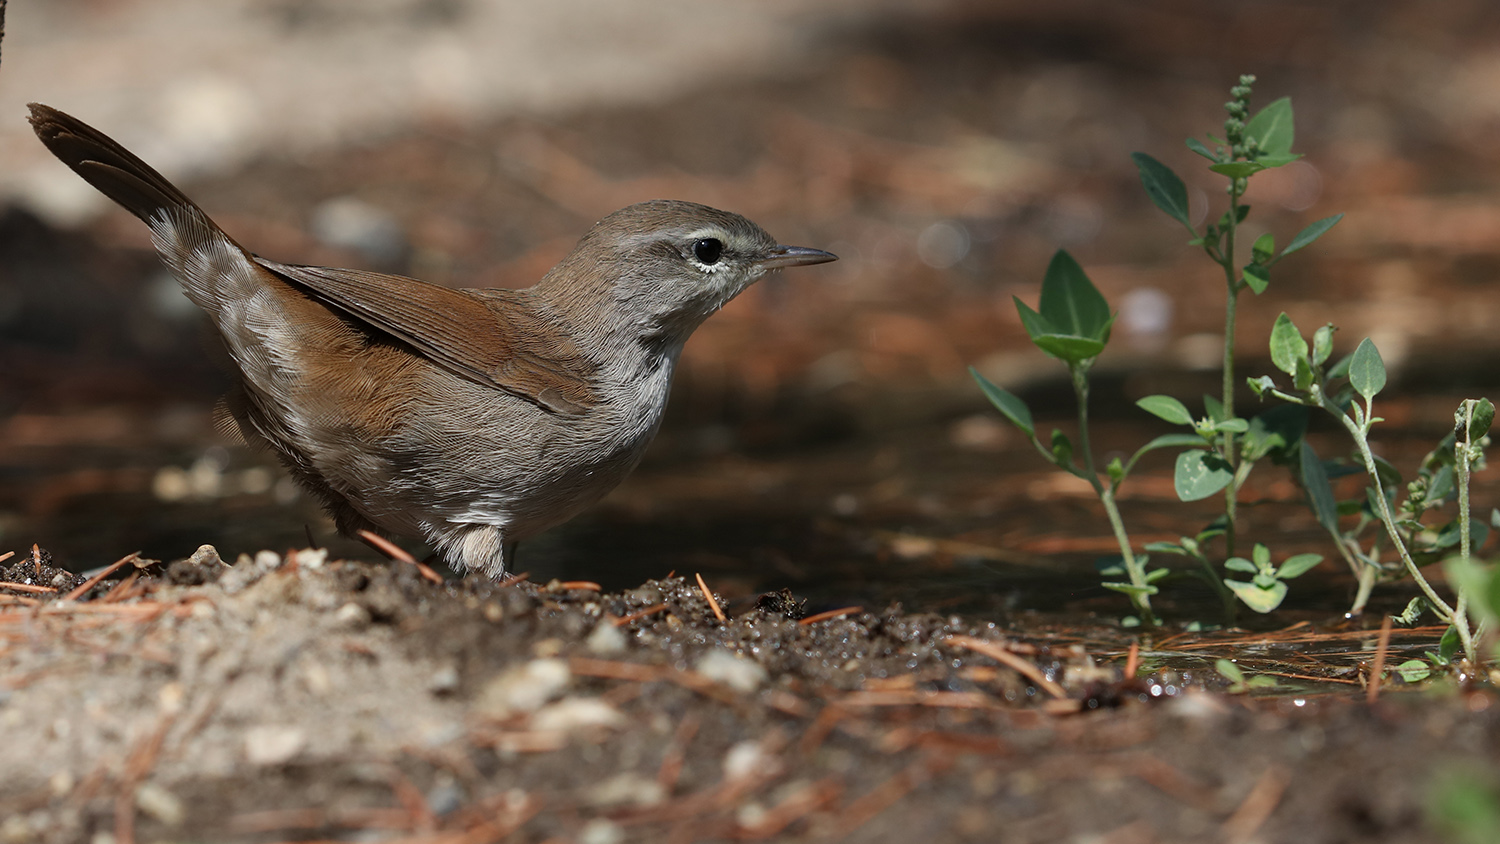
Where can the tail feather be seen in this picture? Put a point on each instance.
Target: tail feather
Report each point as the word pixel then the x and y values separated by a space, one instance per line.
pixel 215 271
pixel 113 170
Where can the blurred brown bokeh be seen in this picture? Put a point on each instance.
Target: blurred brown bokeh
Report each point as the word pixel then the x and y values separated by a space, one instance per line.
pixel 944 150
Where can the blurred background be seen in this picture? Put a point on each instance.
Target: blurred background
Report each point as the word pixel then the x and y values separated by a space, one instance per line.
pixel 823 433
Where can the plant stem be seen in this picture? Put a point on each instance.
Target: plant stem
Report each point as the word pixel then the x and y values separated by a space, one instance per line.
pixel 1462 453
pixel 1226 596
pixel 1361 438
pixel 1364 572
pixel 1106 495
pixel 1231 304
pixel 1081 393
pixel 1142 601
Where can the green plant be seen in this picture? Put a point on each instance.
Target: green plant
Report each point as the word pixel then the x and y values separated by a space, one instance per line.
pixel 1238 683
pixel 1346 390
pixel 1073 321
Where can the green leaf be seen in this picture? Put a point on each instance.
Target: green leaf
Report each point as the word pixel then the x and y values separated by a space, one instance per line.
pixel 1165 548
pixel 1115 470
pixel 1047 337
pixel 1476 582
pixel 1007 403
pixel 1450 643
pixel 1062 448
pixel 1319 492
pixel 1263 248
pixel 1131 589
pixel 1441 484
pixel 1166 407
pixel 1071 303
pixel 1261 384
pixel 1310 234
pixel 1297 565
pixel 1414 670
pixel 1035 324
pixel 1272 129
pixel 1273 161
pixel 1213 408
pixel 1164 187
pixel 1481 420
pixel 1287 345
pixel 1233 426
pixel 1257 278
pixel 1304 377
pixel 1198 146
pixel 1367 370
pixel 1200 474
pixel 1413 612
pixel 1449 534
pixel 1240 564
pixel 1495 518
pixel 1068 347
pixel 1489 599
pixel 1276 432
pixel 1237 169
pixel 1240 213
pixel 1262 557
pixel 1169 440
pixel 1260 599
pixel 1217 527
pixel 1229 671
pixel 1323 344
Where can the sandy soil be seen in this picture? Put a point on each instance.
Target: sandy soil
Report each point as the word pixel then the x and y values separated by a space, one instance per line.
pixel 274 700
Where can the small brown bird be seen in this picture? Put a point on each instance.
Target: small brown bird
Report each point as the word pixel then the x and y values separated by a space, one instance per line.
pixel 470 418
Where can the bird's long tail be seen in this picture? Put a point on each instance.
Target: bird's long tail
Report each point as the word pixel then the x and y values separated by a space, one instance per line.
pixel 215 271
pixel 103 163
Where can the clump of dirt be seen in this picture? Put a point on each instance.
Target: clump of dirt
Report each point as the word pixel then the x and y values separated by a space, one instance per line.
pixel 296 697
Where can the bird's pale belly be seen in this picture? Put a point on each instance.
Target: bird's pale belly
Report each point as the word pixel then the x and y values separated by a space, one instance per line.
pixel 466 455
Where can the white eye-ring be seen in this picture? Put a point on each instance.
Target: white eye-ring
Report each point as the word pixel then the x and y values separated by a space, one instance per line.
pixel 707 252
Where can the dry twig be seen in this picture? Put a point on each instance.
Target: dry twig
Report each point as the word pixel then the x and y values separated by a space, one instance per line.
pixel 396 552
pixel 639 614
pixel 85 586
pixel 1004 657
pixel 713 603
pixel 830 614
pixel 1377 669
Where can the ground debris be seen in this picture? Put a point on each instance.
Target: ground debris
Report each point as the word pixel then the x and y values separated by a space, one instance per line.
pixel 287 699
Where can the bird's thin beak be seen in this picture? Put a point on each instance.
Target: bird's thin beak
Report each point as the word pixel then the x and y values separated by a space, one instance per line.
pixel 795 256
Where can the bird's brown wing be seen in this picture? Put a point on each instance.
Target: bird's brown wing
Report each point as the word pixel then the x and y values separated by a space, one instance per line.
pixel 511 347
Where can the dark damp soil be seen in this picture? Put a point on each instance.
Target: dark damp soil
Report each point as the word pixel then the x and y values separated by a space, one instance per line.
pixel 304 699
pixel 824 452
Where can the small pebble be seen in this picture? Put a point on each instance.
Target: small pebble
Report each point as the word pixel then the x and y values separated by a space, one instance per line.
pixel 576 713
pixel 266 746
pixel 444 680
pixel 524 688
pixel 352 615
pixel 736 672
pixel 160 804
pixel 607 639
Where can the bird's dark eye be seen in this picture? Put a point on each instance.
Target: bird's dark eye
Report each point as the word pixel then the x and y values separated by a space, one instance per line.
pixel 708 250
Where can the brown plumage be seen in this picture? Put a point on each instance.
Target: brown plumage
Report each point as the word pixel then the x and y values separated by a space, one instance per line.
pixel 470 418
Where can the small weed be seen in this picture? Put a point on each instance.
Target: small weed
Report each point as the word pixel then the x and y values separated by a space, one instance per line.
pixel 1072 323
